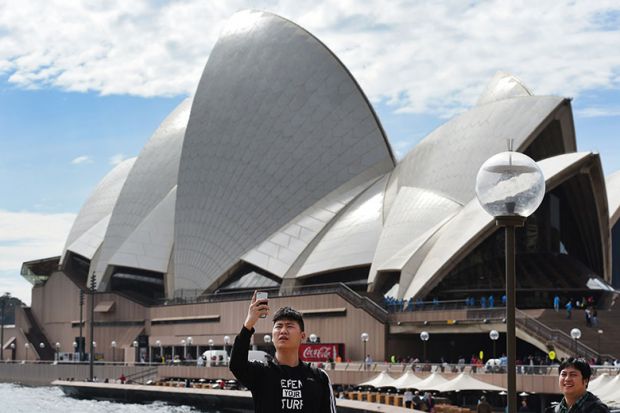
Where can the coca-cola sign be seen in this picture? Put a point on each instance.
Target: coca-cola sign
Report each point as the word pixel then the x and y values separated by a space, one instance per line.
pixel 320 351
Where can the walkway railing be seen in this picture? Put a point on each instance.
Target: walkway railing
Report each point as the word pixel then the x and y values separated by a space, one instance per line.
pixel 556 337
pixel 341 289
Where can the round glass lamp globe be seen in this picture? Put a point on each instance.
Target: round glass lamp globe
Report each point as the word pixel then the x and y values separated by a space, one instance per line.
pixel 510 184
pixel 575 333
pixel 424 336
pixel 494 334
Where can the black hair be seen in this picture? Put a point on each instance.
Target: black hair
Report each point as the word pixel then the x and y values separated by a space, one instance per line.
pixel 578 364
pixel 288 313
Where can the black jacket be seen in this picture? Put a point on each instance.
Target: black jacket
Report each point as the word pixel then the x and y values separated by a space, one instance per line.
pixel 276 388
pixel 591 404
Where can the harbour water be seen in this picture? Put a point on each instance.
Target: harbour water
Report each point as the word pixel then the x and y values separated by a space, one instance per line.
pixel 24 399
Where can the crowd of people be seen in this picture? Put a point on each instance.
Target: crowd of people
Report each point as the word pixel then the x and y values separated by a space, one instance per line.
pixel 397 305
pixel 587 304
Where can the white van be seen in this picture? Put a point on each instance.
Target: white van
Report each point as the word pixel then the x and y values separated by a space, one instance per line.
pixel 221 358
pixel 215 358
pixel 258 355
pixel 492 366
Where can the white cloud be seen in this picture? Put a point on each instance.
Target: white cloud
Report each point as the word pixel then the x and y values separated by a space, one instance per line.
pixel 26 236
pixel 422 57
pixel 597 112
pixel 12 282
pixel 81 159
pixel 118 158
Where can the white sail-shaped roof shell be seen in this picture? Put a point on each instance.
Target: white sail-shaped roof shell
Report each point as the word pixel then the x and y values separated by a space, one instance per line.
pixel 448 160
pixel 149 246
pixel 354 235
pixel 152 177
pixel 94 216
pixel 473 224
pixel 280 164
pixel 281 250
pixel 277 123
pixel 612 183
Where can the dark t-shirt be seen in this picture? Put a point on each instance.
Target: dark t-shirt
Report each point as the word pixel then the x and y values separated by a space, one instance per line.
pixel 276 388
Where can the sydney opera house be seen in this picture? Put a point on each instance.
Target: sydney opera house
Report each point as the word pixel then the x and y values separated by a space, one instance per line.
pixel 277 175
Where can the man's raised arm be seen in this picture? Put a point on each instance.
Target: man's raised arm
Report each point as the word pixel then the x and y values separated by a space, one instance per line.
pixel 242 369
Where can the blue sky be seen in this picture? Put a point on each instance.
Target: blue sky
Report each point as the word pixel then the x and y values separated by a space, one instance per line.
pixel 83 86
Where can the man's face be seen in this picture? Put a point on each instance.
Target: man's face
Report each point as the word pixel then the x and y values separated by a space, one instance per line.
pixel 572 383
pixel 287 334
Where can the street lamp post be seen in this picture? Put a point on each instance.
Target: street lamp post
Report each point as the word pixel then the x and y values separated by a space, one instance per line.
pixel 510 186
pixel 91 364
pixel 189 342
pixel 57 347
pixel 226 342
pixel 424 336
pixel 12 351
pixel 364 338
pixel 494 335
pixel 158 344
pixel 113 344
pixel 136 357
pixel 575 333
pixel 41 346
pixel 80 348
pixel 27 346
pixel 600 333
pixel 184 344
pixel 75 350
pixel 148 351
pixel 267 340
pixel 210 342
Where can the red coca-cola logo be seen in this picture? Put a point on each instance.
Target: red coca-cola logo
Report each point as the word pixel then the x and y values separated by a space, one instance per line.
pixel 318 352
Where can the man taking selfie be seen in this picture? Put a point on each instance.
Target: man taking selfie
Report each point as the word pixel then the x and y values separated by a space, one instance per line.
pixel 284 383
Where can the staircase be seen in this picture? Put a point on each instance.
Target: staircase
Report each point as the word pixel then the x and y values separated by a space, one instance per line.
pixel 143 376
pixel 553 327
pixel 35 336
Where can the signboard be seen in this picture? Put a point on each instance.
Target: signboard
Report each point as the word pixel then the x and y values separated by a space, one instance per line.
pixel 322 352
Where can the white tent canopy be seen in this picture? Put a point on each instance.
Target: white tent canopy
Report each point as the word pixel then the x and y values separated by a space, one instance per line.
pixel 382 380
pixel 407 381
pixel 466 382
pixel 608 390
pixel 431 382
pixel 599 382
pixel 612 399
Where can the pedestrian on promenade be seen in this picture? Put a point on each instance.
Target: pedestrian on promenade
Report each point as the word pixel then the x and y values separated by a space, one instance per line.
pixel 556 303
pixel 408 398
pixel 484 406
pixel 573 381
pixel 569 309
pixel 284 383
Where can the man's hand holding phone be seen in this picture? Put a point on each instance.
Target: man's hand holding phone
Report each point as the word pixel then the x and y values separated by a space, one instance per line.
pixel 259 308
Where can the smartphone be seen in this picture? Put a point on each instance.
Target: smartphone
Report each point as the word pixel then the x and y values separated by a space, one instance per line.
pixel 260 296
